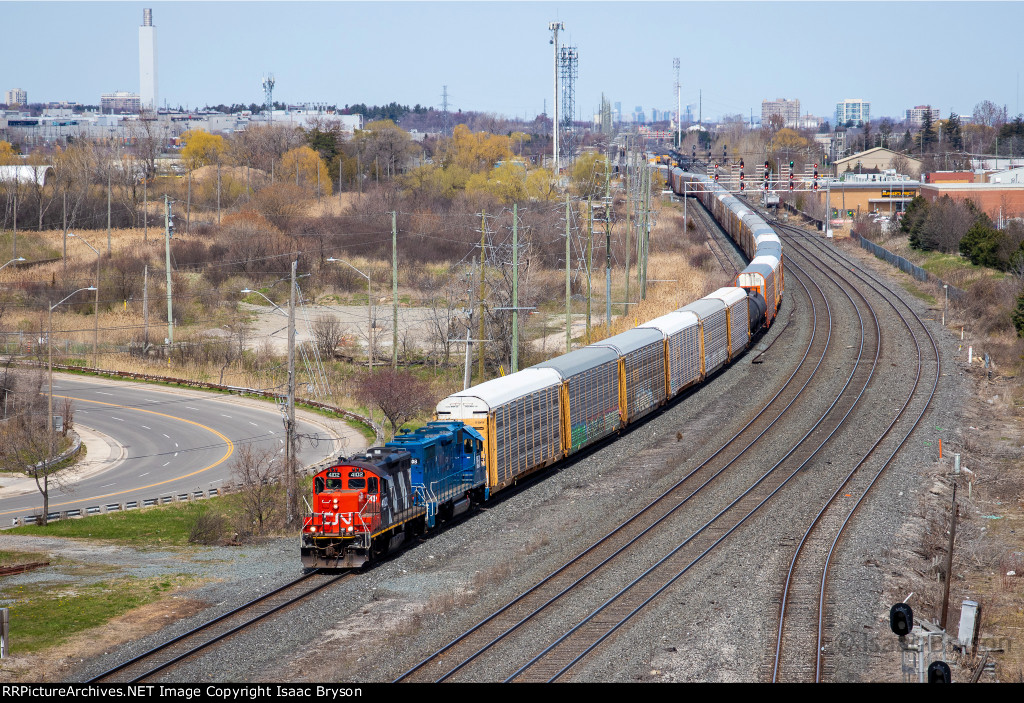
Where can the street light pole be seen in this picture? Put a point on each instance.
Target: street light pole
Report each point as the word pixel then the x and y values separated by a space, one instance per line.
pixel 49 365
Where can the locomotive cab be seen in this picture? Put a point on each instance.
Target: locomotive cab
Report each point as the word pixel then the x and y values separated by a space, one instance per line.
pixel 361 509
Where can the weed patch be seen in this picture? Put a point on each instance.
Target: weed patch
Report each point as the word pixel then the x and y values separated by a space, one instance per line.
pixel 44 616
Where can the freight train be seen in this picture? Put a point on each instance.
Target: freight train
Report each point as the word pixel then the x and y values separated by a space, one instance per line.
pixel 488 437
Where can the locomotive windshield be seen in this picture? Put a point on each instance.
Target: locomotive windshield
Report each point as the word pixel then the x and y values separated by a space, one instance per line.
pixel 355 483
pixel 334 483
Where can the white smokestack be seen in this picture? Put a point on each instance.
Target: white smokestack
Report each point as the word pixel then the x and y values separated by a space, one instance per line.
pixel 147 62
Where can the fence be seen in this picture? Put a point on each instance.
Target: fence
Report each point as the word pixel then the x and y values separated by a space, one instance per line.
pixel 904 265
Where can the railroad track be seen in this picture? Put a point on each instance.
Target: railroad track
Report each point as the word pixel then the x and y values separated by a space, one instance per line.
pixel 172 652
pixel 802 638
pixel 601 568
pixel 22 568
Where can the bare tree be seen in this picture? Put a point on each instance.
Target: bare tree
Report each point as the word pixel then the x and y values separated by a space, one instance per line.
pixel 400 395
pixel 25 442
pixel 327 334
pixel 258 470
pixel 443 316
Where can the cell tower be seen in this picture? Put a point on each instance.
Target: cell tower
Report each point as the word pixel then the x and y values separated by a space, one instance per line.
pixel 268 94
pixel 446 127
pixel 569 65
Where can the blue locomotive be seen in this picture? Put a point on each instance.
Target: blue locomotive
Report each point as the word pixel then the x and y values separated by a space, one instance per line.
pixel 368 504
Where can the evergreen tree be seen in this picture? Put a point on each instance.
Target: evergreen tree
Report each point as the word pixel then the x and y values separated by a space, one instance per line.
pixel 1018 315
pixel 927 135
pixel 955 137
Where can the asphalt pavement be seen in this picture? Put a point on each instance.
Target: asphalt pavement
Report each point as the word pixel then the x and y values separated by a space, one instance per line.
pixel 146 441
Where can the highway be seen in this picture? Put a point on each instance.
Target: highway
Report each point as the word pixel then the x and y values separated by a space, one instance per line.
pixel 159 441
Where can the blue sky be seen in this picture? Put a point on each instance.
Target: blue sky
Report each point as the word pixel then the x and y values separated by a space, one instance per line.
pixel 495 56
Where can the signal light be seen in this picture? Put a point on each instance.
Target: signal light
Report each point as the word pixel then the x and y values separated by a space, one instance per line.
pixel 815 186
pixel 743 187
pixel 791 185
pixel 741 175
pixel 716 178
pixel 790 165
pixel 741 163
pixel 938 672
pixel 901 619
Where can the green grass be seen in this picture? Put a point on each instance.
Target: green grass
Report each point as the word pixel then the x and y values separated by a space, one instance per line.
pixel 167 525
pixel 43 616
pixel 28 246
pixel 9 558
pixel 918 293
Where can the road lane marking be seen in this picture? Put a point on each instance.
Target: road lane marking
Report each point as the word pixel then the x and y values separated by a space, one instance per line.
pixel 147 473
pixel 117 418
pixel 145 428
pixel 229 450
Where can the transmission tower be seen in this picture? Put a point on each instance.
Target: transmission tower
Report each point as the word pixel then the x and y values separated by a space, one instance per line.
pixel 268 94
pixel 569 65
pixel 446 126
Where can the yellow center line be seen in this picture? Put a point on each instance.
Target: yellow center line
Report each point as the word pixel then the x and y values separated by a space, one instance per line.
pixel 228 453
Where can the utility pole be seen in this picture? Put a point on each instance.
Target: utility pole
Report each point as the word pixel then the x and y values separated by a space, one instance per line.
pixel 949 560
pixel 590 260
pixel 607 248
pixel 568 282
pixel 394 289
pixel 145 210
pixel 515 287
pixel 65 217
pixel 290 418
pixel 167 251
pixel 15 254
pixel 145 308
pixel 483 270
pixel 554 27
pixel 629 223
pixel 108 210
pixel 218 193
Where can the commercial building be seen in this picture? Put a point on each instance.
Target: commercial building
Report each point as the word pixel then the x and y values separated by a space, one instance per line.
pixel 1000 201
pixel 17 96
pixel 120 101
pixel 878 160
pixel 147 62
pixel 856 110
pixel 789 110
pixel 915 115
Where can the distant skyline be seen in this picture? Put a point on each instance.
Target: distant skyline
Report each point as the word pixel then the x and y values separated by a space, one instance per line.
pixel 496 56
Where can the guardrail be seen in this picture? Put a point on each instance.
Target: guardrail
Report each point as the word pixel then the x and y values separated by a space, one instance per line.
pixel 108 508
